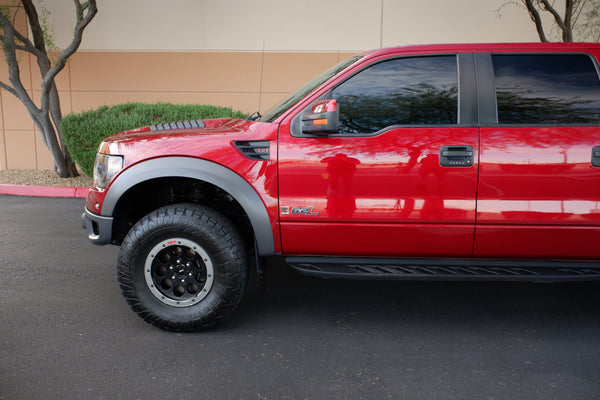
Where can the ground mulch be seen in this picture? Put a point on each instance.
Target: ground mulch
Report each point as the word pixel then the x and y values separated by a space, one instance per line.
pixel 41 178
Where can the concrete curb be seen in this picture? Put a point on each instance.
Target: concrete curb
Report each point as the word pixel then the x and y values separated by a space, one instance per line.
pixel 44 191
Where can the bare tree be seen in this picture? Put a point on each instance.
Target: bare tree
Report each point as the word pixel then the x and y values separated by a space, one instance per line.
pixel 573 19
pixel 48 115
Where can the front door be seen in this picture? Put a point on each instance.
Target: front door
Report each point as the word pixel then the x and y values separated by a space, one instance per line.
pixel 399 179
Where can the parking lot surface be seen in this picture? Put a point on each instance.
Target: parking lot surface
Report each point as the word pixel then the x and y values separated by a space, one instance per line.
pixel 66 332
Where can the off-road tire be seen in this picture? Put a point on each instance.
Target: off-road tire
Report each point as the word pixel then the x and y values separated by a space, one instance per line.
pixel 211 285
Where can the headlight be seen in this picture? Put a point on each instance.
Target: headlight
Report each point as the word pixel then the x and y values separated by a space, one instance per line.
pixel 105 169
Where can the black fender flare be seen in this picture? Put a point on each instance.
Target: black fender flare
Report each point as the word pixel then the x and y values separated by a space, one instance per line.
pixel 203 170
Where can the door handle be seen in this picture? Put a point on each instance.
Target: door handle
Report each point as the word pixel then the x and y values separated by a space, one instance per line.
pixel 457 156
pixel 596 156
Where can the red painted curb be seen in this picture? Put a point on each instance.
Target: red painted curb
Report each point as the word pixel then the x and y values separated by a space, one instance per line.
pixel 44 191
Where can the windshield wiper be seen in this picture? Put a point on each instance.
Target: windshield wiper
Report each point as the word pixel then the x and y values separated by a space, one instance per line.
pixel 254 116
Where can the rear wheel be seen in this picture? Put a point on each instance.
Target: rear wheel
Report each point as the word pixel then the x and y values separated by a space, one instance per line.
pixel 183 267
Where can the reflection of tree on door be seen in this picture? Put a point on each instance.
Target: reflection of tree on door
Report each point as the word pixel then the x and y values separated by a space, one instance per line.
pixel 429 189
pixel 340 201
pixel 427 165
pixel 433 207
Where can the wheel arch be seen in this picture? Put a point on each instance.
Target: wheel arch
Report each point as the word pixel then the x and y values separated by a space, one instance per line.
pixel 203 171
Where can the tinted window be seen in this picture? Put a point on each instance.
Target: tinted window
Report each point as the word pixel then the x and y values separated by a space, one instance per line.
pixel 402 91
pixel 546 89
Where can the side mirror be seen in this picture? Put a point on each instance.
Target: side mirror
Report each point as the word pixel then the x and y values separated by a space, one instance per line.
pixel 323 118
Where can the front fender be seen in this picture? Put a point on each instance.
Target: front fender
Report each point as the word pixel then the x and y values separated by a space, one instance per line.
pixel 203 170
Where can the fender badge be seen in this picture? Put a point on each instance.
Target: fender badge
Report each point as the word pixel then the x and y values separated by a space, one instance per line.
pixel 308 211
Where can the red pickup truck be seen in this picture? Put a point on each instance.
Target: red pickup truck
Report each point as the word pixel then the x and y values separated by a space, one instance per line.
pixel 448 162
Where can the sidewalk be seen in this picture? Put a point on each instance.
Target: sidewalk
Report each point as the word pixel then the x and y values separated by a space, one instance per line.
pixel 44 191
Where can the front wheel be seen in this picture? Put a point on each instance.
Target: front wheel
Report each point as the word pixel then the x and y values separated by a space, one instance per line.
pixel 183 267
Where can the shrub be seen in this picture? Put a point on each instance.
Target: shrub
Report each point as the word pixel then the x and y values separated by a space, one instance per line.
pixel 84 131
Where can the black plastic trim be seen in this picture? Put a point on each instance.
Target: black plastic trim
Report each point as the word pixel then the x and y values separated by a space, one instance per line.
pixel 486 89
pixel 596 156
pixel 258 150
pixel 467 90
pixel 198 123
pixel 384 130
pixel 99 228
pixel 540 125
pixel 457 156
pixel 444 270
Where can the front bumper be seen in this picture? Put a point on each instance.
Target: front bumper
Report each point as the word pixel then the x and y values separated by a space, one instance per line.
pixel 99 228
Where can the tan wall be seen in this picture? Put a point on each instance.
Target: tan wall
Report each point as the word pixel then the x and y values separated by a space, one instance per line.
pixel 296 25
pixel 238 53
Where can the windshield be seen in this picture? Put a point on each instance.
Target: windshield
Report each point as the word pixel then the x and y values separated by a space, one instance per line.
pixel 293 98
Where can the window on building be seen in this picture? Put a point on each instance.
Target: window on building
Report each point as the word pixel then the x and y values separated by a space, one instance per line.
pixel 546 88
pixel 403 91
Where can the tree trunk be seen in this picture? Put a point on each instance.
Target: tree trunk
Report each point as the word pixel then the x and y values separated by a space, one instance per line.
pixel 568 21
pixel 47 130
pixel 56 115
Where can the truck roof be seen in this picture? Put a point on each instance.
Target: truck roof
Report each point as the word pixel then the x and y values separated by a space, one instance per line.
pixel 484 47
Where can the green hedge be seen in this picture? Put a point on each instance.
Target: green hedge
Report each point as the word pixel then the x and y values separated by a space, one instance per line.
pixel 83 132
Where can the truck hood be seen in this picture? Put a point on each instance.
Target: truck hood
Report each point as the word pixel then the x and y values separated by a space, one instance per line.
pixel 208 139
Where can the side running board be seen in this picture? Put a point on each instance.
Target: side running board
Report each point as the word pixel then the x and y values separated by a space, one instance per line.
pixel 445 270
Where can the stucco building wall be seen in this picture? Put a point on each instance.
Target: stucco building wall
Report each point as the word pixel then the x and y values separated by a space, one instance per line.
pixel 237 53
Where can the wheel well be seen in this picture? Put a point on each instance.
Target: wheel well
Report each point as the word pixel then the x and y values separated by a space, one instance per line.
pixel 150 195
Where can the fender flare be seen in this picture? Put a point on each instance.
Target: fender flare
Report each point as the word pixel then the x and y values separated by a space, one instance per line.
pixel 203 170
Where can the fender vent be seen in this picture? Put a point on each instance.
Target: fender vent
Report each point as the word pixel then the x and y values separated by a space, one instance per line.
pixel 258 150
pixel 178 125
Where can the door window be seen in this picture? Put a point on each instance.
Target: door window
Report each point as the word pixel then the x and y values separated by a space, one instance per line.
pixel 545 88
pixel 403 91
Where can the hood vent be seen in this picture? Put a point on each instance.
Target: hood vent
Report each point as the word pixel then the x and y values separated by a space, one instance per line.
pixel 178 125
pixel 258 150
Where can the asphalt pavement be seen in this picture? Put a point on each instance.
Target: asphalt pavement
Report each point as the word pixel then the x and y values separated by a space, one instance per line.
pixel 66 332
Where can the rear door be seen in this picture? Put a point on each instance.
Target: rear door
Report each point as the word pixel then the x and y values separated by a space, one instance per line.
pixel 539 192
pixel 400 176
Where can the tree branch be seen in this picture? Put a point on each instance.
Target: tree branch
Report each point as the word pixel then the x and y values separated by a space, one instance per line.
pixel 14 75
pixel 34 23
pixel 8 88
pixel 28 45
pixel 577 10
pixel 85 14
pixel 548 7
pixel 537 20
pixel 564 25
pixel 17 46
